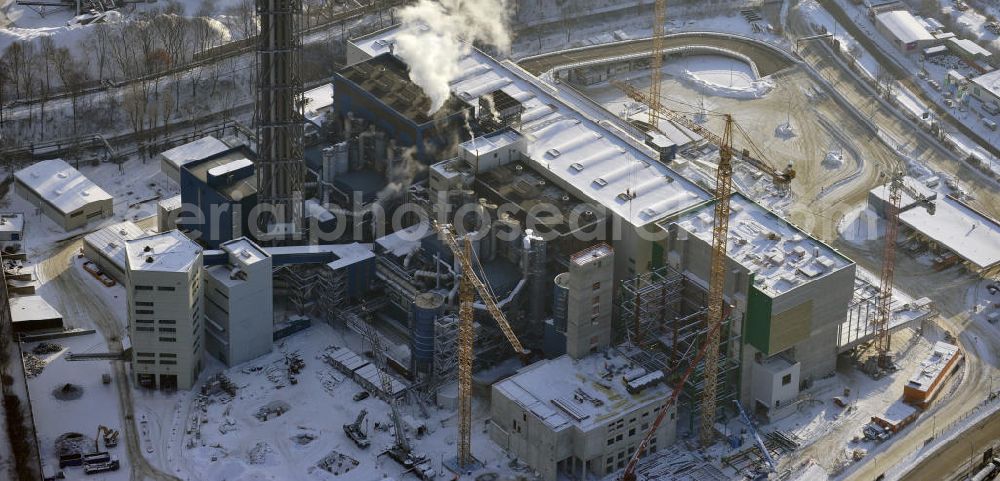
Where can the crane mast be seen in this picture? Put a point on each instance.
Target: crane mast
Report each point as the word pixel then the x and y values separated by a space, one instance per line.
pixel 883 333
pixel 470 284
pixel 716 281
pixel 656 61
pixel 402 444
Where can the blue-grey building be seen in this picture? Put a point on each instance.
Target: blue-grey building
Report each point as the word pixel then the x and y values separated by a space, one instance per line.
pixel 218 194
pixel 379 91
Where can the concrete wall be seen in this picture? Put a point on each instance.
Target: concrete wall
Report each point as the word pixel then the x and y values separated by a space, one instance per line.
pixel 588 323
pixel 166 335
pixel 525 436
pixel 239 322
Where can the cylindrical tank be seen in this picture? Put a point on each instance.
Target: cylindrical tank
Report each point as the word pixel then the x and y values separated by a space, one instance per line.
pixel 341 158
pixel 534 259
pixel 329 159
pixel 427 307
pixel 560 301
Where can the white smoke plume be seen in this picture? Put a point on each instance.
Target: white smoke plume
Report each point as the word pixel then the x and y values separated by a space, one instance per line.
pixel 431 42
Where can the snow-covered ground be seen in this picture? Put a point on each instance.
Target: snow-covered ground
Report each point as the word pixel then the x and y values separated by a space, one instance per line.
pixel 97 406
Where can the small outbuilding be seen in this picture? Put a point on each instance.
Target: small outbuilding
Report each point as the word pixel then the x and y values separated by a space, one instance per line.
pixel 33 313
pixel 11 227
pixel 63 193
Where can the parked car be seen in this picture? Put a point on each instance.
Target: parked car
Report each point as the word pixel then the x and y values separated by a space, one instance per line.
pixel 361 396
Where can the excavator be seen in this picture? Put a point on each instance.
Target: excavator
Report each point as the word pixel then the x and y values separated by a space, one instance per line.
pixel 353 431
pixel 110 438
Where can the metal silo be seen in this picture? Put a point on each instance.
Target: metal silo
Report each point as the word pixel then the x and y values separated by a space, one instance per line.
pixel 426 309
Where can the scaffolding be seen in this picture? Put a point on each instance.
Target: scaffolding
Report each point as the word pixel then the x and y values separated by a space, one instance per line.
pixel 661 326
pixel 445 348
pixel 312 289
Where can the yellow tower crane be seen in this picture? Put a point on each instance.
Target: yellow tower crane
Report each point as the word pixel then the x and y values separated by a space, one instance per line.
pixel 470 283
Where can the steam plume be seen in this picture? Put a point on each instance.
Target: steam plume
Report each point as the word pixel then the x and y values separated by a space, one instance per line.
pixel 431 41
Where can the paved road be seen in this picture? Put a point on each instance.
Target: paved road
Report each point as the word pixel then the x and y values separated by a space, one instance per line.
pixel 767 59
pixel 78 302
pixel 951 461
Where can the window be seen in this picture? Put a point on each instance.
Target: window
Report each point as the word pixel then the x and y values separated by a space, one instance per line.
pixel 167 362
pixel 786 379
pixel 164 288
pixel 223 294
pixel 167 354
pixel 645 426
pixel 611 441
pixel 143 288
pixel 596 286
pixel 76 214
pixel 631 432
pixel 168 339
pixel 145 354
pixel 596 309
pixel 167 321
pixel 596 300
pixel 168 329
pixel 143 329
pixel 146 361
pixel 143 321
pixel 140 303
pixel 143 311
pixel 618 437
pixel 219 307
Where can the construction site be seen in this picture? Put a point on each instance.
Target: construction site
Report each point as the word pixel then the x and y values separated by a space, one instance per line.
pixel 489 240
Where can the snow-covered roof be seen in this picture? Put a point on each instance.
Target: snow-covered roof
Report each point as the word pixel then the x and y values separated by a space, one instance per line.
pixel 779 254
pixel 584 393
pixel 573 142
pixel 904 26
pixel 13 222
pixel 897 412
pixel 31 308
pixel 969 47
pixel 318 98
pixel 245 251
pixel 961 229
pixel 404 241
pixel 110 241
pixel 315 210
pixel 171 203
pixel 932 367
pixel 989 81
pixel 199 149
pixel 170 251
pixel 59 184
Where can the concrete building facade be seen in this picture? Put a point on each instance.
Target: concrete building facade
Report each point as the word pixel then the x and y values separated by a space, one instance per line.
pixel 164 293
pixel 575 416
pixel 590 301
pixel 239 303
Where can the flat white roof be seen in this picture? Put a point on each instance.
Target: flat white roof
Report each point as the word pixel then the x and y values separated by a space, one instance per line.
pixel 549 390
pixel 485 144
pixel 170 251
pixel 171 203
pixel 586 148
pixel 230 167
pixel 779 254
pixel 12 222
pixel 245 251
pixel 31 308
pixel 931 367
pixel 61 185
pixel 318 98
pixel 970 47
pixel 989 81
pixel 110 241
pixel 897 412
pixel 199 149
pixel 904 26
pixel 964 231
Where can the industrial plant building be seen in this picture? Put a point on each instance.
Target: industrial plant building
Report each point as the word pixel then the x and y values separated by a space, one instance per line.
pixel 239 304
pixel 63 194
pixel 106 248
pixel 164 300
pixel 173 160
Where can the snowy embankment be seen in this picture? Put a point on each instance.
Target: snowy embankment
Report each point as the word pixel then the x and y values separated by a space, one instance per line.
pixel 719 76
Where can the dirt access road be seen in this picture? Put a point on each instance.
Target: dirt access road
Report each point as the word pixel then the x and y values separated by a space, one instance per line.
pixel 78 302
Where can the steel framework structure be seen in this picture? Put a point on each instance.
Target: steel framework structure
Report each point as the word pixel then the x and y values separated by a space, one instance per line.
pixel 278 116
